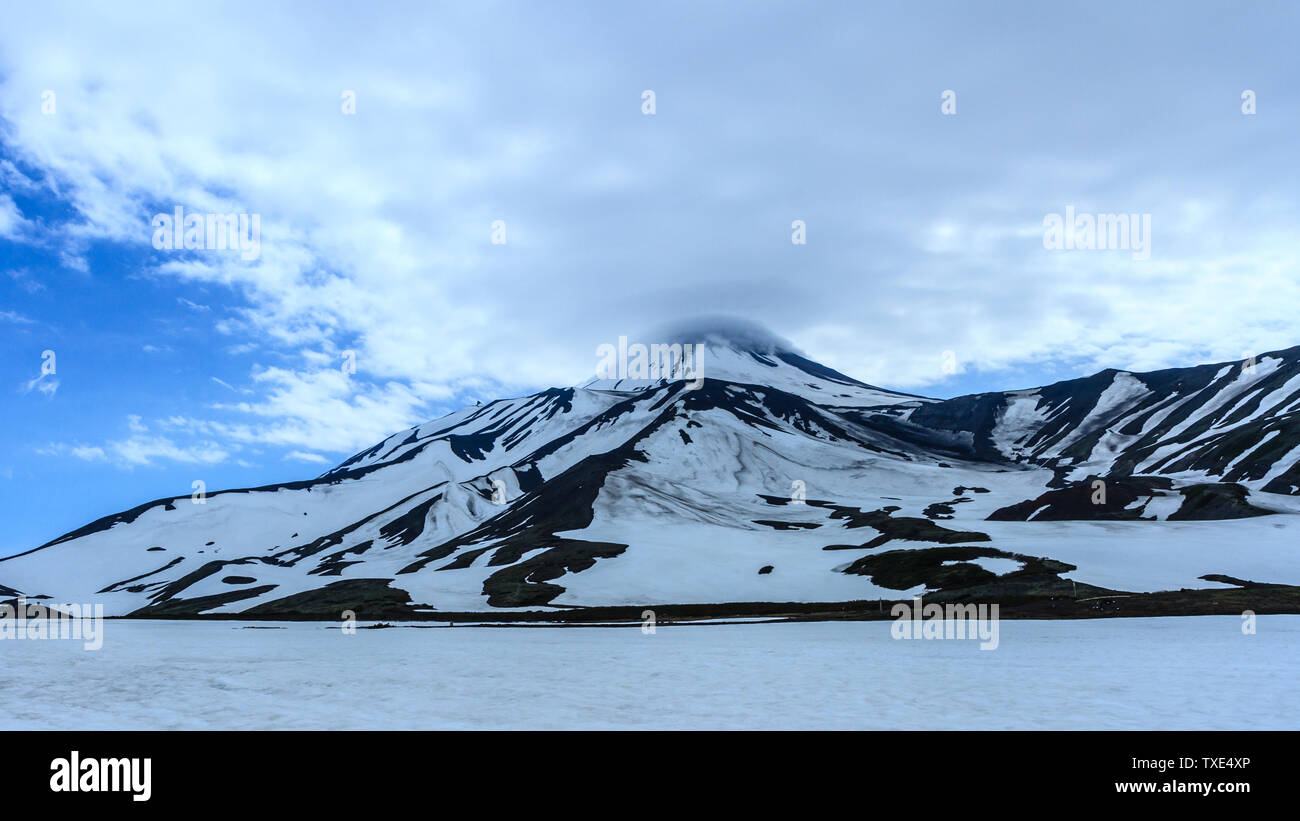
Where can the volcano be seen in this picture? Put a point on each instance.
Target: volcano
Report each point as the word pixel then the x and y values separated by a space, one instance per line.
pixel 771 480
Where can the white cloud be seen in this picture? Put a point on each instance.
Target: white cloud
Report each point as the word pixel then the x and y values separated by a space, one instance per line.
pixel 193 306
pixel 223 383
pixel 300 456
pixel 301 411
pixel 143 448
pixel 86 453
pixel 24 279
pixel 12 223
pixel 139 451
pixel 321 409
pixel 923 234
pixel 74 262
pixel 13 179
pixel 45 384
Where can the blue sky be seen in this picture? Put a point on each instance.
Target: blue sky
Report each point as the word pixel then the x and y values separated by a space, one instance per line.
pixel 924 230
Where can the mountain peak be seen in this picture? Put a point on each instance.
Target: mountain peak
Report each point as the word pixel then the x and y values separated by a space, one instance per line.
pixel 731 349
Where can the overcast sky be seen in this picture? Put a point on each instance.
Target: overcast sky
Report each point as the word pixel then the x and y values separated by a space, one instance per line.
pixel 924 230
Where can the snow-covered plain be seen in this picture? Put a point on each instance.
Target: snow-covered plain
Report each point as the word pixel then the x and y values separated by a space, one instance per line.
pixel 1168 673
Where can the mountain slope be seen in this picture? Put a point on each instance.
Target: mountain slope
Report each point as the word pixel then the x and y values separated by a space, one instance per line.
pixel 1229 422
pixel 772 478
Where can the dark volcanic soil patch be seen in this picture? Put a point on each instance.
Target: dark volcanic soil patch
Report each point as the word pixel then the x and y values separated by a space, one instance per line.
pixel 951 569
pixel 125 582
pixel 367 598
pixel 1115 501
pixel 1215 501
pixel 186 608
pixel 943 510
pixel 526 583
pixel 910 528
pixel 778 525
pixel 1085 500
pixel 1219 577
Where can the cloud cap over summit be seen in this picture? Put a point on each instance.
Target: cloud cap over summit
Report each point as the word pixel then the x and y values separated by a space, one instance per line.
pixel 733 331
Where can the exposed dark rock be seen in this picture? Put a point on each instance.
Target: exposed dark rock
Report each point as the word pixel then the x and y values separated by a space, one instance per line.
pixel 950 568
pixel 197 606
pixel 367 598
pixel 1084 500
pixel 1215 501
pixel 526 583
pixel 116 585
pixel 1219 577
pixel 779 525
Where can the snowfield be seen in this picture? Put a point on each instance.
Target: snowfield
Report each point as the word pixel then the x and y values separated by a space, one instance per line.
pixel 1168 673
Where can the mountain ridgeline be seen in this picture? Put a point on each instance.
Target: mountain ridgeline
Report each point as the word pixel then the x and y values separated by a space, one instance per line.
pixel 776 483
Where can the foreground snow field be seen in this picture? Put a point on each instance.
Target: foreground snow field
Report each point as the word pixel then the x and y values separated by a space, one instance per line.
pixel 1168 673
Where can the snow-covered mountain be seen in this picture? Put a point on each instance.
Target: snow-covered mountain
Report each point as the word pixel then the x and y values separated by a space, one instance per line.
pixel 771 479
